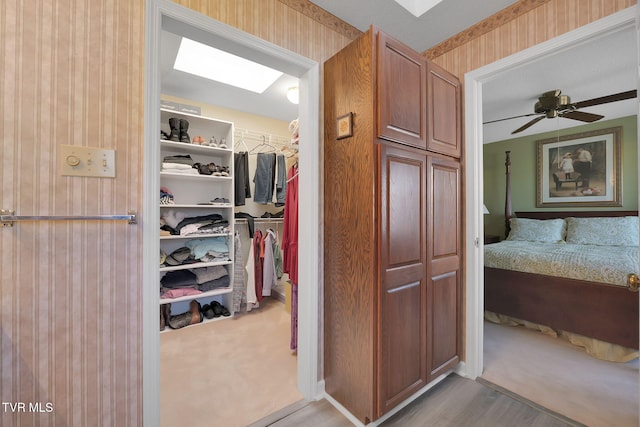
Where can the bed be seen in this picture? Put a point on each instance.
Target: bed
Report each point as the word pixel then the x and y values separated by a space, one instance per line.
pixel 601 308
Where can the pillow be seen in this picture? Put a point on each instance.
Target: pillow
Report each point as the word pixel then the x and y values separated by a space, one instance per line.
pixel 537 230
pixel 603 231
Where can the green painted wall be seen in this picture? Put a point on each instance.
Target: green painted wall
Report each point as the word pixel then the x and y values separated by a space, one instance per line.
pixel 523 172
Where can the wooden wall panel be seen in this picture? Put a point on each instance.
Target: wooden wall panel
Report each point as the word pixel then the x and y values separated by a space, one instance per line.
pixel 70 320
pixel 297 25
pixel 72 72
pixel 525 24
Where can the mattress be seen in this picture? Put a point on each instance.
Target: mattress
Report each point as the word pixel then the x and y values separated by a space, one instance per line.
pixel 601 264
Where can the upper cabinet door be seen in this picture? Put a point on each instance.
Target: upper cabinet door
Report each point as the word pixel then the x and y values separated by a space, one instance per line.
pixel 401 93
pixel 443 107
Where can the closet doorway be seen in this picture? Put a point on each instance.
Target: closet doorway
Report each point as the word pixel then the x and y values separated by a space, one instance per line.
pixel 162 15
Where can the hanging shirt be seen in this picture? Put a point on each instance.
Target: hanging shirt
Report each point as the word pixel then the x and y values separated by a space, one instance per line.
pixel 290 227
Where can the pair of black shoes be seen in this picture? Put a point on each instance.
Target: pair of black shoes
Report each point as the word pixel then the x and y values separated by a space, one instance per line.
pixel 215 309
pixel 179 130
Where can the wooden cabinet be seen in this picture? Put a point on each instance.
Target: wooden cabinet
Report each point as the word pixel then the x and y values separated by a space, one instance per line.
pixel 401 93
pixel 444 127
pixel 403 284
pixel 444 204
pixel 392 231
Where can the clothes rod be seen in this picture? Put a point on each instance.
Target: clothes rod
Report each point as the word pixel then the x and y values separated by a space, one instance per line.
pixel 7 217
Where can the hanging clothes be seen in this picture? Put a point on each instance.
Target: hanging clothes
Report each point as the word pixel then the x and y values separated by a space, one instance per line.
pixel 269 272
pixel 290 247
pixel 242 186
pixel 258 264
pixel 239 273
pixel 281 180
pixel 264 178
pixel 252 298
pixel 290 227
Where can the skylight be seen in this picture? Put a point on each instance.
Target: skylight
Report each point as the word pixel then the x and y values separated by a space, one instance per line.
pixel 418 7
pixel 214 64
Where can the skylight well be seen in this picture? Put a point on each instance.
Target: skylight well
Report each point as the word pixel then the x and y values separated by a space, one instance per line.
pixel 214 64
pixel 418 7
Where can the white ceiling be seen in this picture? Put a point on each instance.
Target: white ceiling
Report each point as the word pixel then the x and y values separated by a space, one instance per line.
pixel 586 71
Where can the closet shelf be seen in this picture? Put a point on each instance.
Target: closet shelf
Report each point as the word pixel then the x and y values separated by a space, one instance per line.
pixel 168 329
pixel 194 265
pixel 211 293
pixel 194 148
pixel 189 176
pixel 226 205
pixel 194 236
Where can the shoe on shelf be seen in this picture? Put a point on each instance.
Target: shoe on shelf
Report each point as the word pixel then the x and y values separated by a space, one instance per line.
pixel 174 124
pixel 220 309
pixel 213 142
pixel 184 128
pixel 223 143
pixel 208 312
pixel 220 201
pixel 224 170
pixel 202 169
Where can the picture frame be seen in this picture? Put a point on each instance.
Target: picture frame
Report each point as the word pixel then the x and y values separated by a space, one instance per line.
pixel 344 125
pixel 582 169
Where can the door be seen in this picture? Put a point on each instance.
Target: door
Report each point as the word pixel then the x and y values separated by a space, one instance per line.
pixel 401 93
pixel 402 341
pixel 444 111
pixel 443 287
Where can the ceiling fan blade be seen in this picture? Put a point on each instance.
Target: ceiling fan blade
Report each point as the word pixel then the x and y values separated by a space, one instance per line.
pixel 528 125
pixel 509 118
pixel 582 116
pixel 606 99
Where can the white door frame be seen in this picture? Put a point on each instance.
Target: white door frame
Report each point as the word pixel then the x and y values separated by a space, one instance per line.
pixel 473 82
pixel 293 64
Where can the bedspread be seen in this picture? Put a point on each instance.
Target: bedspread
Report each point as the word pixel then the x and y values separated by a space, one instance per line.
pixel 601 264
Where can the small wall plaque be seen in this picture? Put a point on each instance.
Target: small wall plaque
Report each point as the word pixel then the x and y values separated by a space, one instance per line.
pixel 345 126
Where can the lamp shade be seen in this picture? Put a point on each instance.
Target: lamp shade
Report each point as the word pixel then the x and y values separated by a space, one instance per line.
pixel 485 210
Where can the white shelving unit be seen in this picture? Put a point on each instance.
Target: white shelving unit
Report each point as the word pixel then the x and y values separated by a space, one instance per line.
pixel 193 195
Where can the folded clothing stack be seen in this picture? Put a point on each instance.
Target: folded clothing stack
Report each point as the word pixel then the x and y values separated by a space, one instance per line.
pixel 182 164
pixel 190 282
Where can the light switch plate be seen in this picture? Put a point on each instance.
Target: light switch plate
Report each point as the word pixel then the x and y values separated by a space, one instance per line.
pixel 87 161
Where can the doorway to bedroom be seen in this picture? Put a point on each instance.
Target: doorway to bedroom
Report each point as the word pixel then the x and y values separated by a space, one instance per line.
pixel 550 371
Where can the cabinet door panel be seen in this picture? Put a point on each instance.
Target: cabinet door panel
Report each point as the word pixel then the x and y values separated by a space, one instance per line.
pixel 444 322
pixel 444 112
pixel 402 319
pixel 401 93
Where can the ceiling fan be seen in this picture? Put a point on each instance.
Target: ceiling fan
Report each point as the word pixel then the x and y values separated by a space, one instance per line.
pixel 552 104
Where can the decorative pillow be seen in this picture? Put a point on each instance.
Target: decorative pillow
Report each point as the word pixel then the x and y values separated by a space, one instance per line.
pixel 603 231
pixel 537 230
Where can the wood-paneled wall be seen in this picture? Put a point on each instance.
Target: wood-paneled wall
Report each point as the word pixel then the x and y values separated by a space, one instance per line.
pixel 72 72
pixel 519 28
pixel 297 25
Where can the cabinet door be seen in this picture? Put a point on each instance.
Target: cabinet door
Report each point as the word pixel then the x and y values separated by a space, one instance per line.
pixel 401 97
pixel 443 287
pixel 402 367
pixel 443 109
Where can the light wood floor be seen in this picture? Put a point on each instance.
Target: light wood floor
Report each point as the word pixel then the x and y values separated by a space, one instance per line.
pixel 455 402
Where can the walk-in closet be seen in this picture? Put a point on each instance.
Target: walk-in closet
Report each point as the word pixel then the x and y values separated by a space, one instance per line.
pixel 228 234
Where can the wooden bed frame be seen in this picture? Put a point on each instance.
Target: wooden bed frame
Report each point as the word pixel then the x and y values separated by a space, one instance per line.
pixel 597 310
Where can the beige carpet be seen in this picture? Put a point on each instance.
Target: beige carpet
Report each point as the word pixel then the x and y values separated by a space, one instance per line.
pixel 560 376
pixel 228 373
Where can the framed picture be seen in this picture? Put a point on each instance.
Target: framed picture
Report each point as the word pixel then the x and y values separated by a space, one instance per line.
pixel 345 126
pixel 580 170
